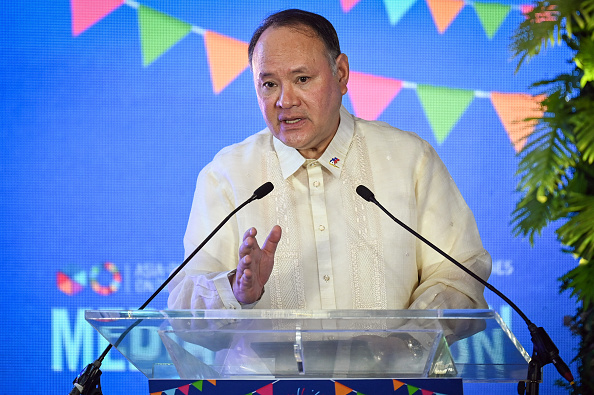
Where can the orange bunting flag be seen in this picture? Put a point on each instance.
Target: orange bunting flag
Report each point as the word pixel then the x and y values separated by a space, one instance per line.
pixel 513 109
pixel 370 94
pixel 397 384
pixel 341 389
pixel 85 13
pixel 444 12
pixel 227 58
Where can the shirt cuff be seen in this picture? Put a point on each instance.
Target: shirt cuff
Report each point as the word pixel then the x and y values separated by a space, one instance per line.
pixel 225 291
pixel 221 282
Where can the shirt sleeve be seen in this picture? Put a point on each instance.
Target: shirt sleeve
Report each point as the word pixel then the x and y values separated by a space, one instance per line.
pixel 204 282
pixel 445 219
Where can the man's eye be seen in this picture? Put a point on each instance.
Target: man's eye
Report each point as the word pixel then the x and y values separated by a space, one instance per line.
pixel 303 79
pixel 268 85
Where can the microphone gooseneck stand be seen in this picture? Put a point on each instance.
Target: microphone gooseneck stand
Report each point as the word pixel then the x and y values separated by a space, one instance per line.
pixel 88 381
pixel 544 350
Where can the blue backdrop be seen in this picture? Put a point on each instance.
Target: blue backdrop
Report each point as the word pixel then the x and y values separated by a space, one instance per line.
pixel 100 150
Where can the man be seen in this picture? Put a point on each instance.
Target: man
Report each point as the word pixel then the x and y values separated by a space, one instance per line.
pixel 336 250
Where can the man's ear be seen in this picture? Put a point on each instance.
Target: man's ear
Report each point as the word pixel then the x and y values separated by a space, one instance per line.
pixel 342 72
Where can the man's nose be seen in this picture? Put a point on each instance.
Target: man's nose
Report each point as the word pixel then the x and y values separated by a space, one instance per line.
pixel 288 97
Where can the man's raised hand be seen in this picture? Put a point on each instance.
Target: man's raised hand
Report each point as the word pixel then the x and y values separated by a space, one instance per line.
pixel 255 265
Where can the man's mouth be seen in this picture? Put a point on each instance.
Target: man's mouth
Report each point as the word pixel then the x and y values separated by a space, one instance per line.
pixel 291 121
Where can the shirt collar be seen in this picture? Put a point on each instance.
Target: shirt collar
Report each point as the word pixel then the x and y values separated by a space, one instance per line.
pixel 333 157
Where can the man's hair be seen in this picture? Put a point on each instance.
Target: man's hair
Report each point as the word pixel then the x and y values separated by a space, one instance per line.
pixel 299 18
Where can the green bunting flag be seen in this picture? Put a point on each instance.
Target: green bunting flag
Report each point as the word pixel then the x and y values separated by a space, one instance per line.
pixel 158 33
pixel 491 16
pixel 411 389
pixel 198 384
pixel 443 107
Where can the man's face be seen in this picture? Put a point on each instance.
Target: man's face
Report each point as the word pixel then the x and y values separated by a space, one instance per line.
pixel 298 93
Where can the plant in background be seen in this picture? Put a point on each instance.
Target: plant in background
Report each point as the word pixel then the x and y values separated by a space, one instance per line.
pixel 556 168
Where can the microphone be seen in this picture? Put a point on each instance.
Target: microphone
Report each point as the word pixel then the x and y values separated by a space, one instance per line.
pixel 87 382
pixel 544 349
pixel 262 191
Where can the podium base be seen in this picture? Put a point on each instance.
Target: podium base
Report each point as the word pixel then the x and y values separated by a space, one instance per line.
pixel 449 386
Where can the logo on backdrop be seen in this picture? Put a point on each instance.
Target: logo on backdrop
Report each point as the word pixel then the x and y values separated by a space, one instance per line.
pixel 108 278
pixel 104 279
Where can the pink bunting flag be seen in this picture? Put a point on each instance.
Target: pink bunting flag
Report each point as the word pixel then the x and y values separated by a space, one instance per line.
pixel 370 94
pixel 347 5
pixel 85 13
pixel 266 390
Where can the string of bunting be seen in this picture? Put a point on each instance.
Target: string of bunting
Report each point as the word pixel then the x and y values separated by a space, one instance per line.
pixel 369 94
pixel 268 389
pixel 491 14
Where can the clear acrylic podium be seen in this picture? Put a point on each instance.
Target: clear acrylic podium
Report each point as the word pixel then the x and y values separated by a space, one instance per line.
pixel 188 348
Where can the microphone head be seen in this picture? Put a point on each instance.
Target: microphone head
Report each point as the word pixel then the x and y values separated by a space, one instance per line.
pixel 264 190
pixel 365 193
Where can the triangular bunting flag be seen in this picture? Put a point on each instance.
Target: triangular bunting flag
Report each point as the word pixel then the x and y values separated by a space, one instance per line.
pixel 526 8
pixel 184 389
pixel 427 392
pixel 85 13
pixel 397 8
pixel 213 382
pixel 156 393
pixel 443 107
pixel 547 14
pixel 347 5
pixel 170 392
pixel 158 33
pixel 444 12
pixel 512 109
pixel 411 389
pixel 397 384
pixel 266 390
pixel 198 384
pixel 341 389
pixel 227 58
pixel 491 16
pixel 370 94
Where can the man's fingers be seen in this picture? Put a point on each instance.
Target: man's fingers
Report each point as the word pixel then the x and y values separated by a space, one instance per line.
pixel 250 232
pixel 248 243
pixel 246 278
pixel 272 240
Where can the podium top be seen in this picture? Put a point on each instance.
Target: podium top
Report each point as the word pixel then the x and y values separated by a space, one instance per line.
pixel 289 314
pixel 212 344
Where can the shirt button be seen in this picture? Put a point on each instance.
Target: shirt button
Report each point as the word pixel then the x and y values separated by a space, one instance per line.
pixel 316 184
pixel 326 278
pixel 322 228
